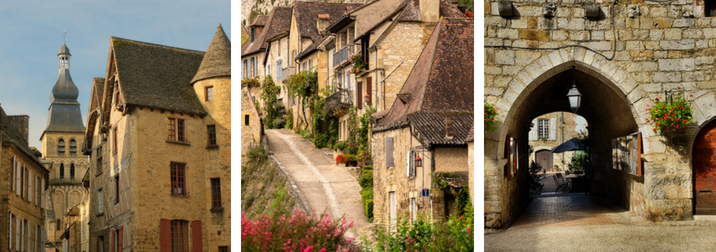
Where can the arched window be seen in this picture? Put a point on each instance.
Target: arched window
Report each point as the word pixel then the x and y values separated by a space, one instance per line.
pixel 72 171
pixel 73 147
pixel 61 147
pixel 62 171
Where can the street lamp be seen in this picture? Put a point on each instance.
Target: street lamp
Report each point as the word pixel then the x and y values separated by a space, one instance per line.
pixel 575 98
pixel 418 161
pixel 367 98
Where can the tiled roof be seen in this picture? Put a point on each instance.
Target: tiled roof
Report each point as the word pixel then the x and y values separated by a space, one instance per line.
pixel 277 22
pixel 437 82
pixel 471 135
pixel 217 60
pixel 260 20
pixel 11 134
pixel 313 47
pixel 431 127
pixel 157 76
pixel 96 95
pixel 307 13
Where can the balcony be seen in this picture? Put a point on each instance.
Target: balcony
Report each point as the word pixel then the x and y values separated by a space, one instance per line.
pixel 341 55
pixel 338 103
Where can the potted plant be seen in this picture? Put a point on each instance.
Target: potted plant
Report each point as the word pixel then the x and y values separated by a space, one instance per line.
pixel 357 60
pixel 490 114
pixel 670 114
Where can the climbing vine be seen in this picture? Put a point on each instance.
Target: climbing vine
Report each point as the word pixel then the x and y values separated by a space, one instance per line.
pixel 462 194
pixel 322 127
pixel 274 111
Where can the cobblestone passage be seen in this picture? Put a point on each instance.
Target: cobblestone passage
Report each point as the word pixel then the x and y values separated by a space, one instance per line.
pixel 325 186
pixel 573 222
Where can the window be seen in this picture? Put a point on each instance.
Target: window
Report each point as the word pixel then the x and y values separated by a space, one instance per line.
pixel 543 129
pixel 100 243
pixel 279 65
pixel 114 150
pixel 246 72
pixel 116 189
pixel 215 193
pixel 98 164
pixel 58 224
pixel 224 249
pixel 116 240
pixel 388 152
pixel 310 64
pixel 253 61
pixel 246 120
pixel 209 93
pixel 279 47
pixel 100 202
pixel 61 147
pixel 73 147
pixel 253 34
pixel 177 176
pixel 212 135
pixel 176 130
pixel 709 8
pixel 180 235
pixel 62 171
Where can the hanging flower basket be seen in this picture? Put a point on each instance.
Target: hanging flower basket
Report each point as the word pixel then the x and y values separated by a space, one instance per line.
pixel 670 115
pixel 358 64
pixel 490 114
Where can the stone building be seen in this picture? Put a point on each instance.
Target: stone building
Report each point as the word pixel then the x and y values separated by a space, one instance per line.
pixel 389 35
pixel 61 147
pixel 621 56
pixel 429 121
pixel 549 131
pixel 308 24
pixel 251 124
pixel 276 57
pixel 24 181
pixel 158 137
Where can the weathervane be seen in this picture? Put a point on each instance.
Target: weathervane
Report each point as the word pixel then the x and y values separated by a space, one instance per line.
pixel 63 36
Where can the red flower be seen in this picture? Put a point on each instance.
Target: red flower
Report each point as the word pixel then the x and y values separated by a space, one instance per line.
pixel 691 95
pixel 684 121
pixel 657 98
pixel 677 126
pixel 678 87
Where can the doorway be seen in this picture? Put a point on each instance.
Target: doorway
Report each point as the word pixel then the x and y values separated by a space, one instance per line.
pixel 704 170
pixel 544 159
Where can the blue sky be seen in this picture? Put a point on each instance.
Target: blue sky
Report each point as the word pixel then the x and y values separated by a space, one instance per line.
pixel 31 35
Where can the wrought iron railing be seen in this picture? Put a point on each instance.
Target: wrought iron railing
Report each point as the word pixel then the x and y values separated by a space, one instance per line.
pixel 339 102
pixel 342 54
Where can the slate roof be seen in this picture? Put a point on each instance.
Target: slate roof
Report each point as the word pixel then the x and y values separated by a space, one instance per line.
pixel 156 76
pixel 64 114
pixel 11 134
pixel 217 60
pixel 307 13
pixel 447 9
pixel 313 47
pixel 260 20
pixel 277 22
pixel 431 126
pixel 437 84
pixel 96 95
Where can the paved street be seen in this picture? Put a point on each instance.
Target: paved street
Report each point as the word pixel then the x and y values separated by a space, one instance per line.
pixel 325 186
pixel 573 222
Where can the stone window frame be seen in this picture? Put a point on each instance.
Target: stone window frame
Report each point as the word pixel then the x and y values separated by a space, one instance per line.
pixel 100 201
pixel 216 194
pixel 211 135
pixel 178 179
pixel 116 189
pixel 61 147
pixel 543 128
pixel 177 130
pixel 73 147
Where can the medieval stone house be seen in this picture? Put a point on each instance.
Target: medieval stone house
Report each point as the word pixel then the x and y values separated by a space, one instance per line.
pixel 62 151
pixel 550 130
pixel 429 121
pixel 24 180
pixel 620 56
pixel 159 144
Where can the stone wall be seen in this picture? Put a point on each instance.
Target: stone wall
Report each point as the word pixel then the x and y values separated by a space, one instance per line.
pixel 638 55
pixel 250 133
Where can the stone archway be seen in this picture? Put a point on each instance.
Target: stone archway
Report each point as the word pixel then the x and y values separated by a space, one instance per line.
pixel 704 170
pixel 611 100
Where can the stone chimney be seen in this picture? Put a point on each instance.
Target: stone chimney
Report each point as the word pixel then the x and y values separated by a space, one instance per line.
pixel 430 10
pixel 322 22
pixel 449 132
pixel 22 124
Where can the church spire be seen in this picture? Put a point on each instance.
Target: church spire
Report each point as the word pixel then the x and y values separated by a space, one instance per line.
pixel 64 56
pixel 64 112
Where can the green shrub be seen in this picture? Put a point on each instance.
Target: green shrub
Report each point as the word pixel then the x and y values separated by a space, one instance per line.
pixel 279 123
pixel 366 179
pixel 367 200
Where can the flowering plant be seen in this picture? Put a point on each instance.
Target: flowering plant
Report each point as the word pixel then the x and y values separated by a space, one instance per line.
pixel 490 114
pixel 357 60
pixel 670 114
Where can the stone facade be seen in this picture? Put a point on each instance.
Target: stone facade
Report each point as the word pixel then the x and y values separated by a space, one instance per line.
pixel 627 60
pixel 557 133
pixel 143 179
pixel 251 129
pixel 22 187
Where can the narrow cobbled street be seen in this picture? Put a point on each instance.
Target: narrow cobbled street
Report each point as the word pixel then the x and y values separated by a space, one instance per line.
pixel 574 222
pixel 325 186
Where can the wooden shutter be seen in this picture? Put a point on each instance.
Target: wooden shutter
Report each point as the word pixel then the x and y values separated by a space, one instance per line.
pixel 508 170
pixel 165 236
pixel 196 236
pixel 111 241
pixel 119 240
pixel 388 152
pixel 553 129
pixel 359 90
pixel 29 185
pixel 17 178
pixel 12 172
pixel 42 198
pixel 9 232
pixel 369 89
pixel 407 165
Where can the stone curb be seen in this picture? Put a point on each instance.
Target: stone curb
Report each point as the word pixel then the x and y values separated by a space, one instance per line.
pixel 293 189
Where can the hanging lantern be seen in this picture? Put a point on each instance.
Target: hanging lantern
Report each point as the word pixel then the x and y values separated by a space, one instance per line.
pixel 418 161
pixel 575 98
pixel 366 98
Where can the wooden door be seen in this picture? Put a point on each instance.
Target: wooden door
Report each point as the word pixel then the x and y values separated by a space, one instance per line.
pixel 544 158
pixel 704 170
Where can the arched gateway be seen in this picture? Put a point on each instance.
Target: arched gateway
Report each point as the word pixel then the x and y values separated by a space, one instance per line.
pixel 614 104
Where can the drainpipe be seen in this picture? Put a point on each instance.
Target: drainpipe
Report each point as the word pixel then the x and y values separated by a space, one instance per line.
pixel 383 81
